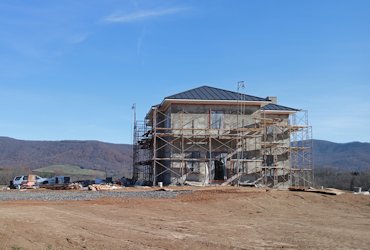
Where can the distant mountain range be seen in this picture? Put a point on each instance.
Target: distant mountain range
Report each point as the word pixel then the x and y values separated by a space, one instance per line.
pixel 117 158
pixel 353 156
pixel 342 165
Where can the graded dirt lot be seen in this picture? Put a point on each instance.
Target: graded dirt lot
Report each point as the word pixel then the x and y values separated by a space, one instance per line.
pixel 213 218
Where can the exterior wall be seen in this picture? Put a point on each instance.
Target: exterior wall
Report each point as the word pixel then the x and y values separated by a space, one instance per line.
pixel 279 134
pixel 197 117
pixel 197 152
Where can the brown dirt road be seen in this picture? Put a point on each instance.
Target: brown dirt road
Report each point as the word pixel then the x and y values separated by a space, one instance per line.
pixel 223 218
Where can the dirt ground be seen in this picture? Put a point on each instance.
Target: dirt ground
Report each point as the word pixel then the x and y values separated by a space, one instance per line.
pixel 215 218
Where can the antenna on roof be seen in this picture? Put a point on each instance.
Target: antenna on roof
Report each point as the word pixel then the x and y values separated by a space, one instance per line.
pixel 240 124
pixel 133 136
pixel 241 85
pixel 133 108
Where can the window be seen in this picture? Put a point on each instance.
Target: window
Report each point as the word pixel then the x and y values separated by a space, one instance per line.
pixel 269 160
pixel 217 119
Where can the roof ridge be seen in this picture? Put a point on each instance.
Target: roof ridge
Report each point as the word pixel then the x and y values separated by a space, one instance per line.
pixel 185 91
pixel 276 106
pixel 234 92
pixel 209 88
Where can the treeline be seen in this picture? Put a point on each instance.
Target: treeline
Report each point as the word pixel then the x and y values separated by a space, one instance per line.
pixel 342 179
pixel 7 174
pixel 326 177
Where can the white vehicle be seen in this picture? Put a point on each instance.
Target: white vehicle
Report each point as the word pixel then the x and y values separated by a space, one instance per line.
pixel 19 180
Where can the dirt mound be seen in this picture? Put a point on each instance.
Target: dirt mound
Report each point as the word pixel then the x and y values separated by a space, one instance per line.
pixel 214 218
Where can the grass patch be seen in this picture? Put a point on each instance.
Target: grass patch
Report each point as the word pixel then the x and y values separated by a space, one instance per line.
pixel 68 170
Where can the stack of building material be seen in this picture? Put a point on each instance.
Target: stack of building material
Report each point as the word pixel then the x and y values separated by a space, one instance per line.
pixel 74 186
pixel 102 187
pixel 31 181
pixel 330 191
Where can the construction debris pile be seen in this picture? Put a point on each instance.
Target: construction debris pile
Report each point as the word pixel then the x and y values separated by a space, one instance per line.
pixel 103 187
pixel 330 191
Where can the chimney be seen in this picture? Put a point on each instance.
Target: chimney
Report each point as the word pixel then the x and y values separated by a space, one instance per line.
pixel 273 99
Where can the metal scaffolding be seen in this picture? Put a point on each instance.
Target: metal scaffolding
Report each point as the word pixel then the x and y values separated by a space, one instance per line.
pixel 301 150
pixel 142 151
pixel 268 150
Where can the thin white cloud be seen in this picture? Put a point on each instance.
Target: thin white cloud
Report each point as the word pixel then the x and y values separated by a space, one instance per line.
pixel 141 15
pixel 79 38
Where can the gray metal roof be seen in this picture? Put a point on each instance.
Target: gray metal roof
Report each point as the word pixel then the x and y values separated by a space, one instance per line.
pixel 211 93
pixel 276 107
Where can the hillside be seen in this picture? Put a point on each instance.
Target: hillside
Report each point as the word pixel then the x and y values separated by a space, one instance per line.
pixel 333 162
pixel 336 163
pixel 353 156
pixel 114 158
pixel 75 172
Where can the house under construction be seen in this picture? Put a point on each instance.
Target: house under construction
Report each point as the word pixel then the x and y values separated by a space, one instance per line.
pixel 209 136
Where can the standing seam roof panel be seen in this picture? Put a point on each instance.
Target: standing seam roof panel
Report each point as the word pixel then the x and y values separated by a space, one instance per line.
pixel 202 93
pixel 210 93
pixel 225 95
pixel 276 107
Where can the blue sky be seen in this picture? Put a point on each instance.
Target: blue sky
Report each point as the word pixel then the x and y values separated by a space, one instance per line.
pixel 73 69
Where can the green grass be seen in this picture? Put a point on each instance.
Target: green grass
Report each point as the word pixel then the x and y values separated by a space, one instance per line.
pixel 68 170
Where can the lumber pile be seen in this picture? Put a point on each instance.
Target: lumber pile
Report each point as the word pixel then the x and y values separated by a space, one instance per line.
pixel 69 186
pixel 300 189
pixel 76 186
pixel 103 187
pixel 329 191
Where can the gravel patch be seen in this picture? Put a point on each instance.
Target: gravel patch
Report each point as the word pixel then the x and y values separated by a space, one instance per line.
pixel 63 195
